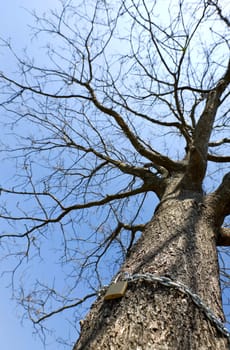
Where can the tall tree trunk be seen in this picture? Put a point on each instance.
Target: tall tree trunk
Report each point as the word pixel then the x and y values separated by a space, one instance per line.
pixel 180 243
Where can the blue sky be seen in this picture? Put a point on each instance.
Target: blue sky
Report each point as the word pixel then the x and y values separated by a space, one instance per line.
pixel 14 20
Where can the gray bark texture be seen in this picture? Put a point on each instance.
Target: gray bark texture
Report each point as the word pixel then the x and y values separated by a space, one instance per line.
pixel 180 243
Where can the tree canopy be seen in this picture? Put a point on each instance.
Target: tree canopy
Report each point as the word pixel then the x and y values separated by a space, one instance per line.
pixel 119 96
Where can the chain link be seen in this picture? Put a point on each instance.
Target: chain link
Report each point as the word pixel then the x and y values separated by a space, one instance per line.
pixel 165 281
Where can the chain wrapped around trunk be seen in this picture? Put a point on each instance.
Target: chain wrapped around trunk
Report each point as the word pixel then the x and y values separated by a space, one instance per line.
pixel 166 281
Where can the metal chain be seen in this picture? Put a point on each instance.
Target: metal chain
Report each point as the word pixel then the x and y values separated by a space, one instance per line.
pixel 165 281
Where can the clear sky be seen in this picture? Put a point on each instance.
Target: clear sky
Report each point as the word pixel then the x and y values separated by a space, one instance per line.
pixel 14 20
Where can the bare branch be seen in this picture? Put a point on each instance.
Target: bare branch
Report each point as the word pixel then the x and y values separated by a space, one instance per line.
pixel 64 308
pixel 67 210
pixel 220 13
pixel 223 238
pixel 218 159
pixel 219 142
pixel 198 152
pixel 220 200
pixel 118 116
pixel 153 156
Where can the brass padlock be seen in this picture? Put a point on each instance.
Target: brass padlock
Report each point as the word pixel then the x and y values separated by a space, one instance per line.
pixel 116 290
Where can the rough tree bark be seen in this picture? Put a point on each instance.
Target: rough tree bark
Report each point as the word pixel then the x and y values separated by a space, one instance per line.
pixel 180 243
pixel 93 95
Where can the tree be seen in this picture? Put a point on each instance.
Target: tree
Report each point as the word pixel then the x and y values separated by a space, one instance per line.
pixel 126 111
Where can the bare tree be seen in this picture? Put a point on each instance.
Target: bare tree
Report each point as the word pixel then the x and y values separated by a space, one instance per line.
pixel 129 110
